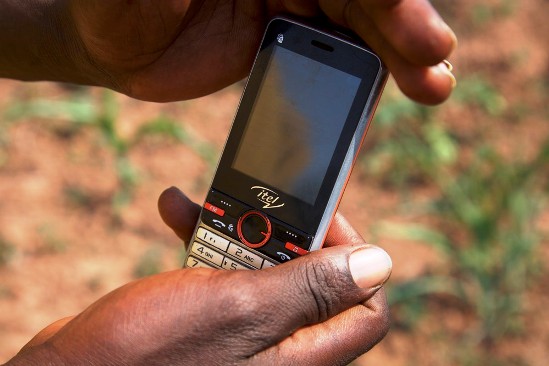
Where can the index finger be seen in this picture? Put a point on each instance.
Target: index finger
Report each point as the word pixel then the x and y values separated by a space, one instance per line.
pixel 339 340
pixel 341 233
pixel 409 36
pixel 412 27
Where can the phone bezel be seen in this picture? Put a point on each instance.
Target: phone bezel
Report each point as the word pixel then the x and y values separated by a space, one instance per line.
pixel 347 57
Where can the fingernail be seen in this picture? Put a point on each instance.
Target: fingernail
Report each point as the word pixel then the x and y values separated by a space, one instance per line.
pixel 370 266
pixel 446 68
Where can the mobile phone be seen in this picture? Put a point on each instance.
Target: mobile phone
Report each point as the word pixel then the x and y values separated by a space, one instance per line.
pixel 305 110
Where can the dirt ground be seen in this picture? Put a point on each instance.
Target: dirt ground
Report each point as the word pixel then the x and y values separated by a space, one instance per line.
pixel 65 246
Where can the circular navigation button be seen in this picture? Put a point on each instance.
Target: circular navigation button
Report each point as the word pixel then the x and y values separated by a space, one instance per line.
pixel 254 229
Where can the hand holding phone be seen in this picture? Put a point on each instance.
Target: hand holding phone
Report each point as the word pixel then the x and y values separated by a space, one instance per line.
pixel 304 113
pixel 172 318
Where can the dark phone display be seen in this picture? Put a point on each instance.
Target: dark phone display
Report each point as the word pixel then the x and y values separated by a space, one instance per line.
pixel 295 123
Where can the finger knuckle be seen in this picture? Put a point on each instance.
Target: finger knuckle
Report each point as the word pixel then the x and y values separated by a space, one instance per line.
pixel 378 317
pixel 325 285
pixel 383 321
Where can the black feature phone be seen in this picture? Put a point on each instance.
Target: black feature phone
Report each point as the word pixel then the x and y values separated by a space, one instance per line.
pixel 301 120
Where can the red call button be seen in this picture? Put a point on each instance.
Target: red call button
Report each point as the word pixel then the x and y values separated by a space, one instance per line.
pixel 214 209
pixel 294 248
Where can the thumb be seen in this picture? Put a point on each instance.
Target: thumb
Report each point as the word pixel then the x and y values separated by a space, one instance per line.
pixel 314 288
pixel 329 281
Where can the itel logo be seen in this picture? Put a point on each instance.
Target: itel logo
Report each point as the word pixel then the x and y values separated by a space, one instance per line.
pixel 268 197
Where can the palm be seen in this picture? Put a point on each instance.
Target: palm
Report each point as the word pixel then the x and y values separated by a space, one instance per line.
pixel 178 49
pixel 163 50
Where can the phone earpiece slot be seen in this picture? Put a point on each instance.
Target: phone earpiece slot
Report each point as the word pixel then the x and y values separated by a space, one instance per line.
pixel 322 46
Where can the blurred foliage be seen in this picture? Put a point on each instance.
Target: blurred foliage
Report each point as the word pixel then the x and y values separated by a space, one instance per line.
pixel 484 12
pixel 80 110
pixel 150 263
pixel 482 215
pixel 475 91
pixel 52 242
pixel 7 250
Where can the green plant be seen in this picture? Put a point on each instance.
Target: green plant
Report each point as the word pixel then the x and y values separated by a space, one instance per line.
pixel 411 145
pixel 163 126
pixel 52 243
pixel 7 250
pixel 487 237
pixel 81 111
pixel 150 263
pixel 481 213
pixel 476 91
pixel 81 198
pixel 483 13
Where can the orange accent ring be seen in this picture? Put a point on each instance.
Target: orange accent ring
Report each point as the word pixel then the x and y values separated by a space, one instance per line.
pixel 267 234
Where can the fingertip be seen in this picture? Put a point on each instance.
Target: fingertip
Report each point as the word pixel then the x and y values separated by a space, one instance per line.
pixel 167 202
pixel 426 85
pixel 168 192
pixel 414 29
pixel 451 37
pixel 178 212
pixel 431 46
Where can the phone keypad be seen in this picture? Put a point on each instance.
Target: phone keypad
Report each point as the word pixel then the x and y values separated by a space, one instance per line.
pixel 212 239
pixel 245 255
pixel 204 252
pixel 192 262
pixel 231 265
pixel 217 242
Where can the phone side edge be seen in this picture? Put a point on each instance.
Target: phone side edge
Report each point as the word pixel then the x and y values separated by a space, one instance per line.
pixel 351 156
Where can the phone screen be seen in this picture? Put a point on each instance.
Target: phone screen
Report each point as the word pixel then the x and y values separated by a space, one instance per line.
pixel 307 106
pixel 295 124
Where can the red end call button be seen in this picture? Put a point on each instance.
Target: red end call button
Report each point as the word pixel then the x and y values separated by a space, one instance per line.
pixel 294 248
pixel 216 210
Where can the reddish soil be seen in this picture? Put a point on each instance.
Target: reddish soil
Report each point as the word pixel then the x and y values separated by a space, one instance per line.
pixel 69 249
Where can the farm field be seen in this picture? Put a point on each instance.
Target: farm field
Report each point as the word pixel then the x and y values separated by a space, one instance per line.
pixel 457 194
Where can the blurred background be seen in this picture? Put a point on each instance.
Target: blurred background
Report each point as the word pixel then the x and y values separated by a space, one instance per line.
pixel 457 194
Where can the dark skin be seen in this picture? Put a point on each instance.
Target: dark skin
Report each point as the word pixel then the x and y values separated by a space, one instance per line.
pixel 154 321
pixel 169 50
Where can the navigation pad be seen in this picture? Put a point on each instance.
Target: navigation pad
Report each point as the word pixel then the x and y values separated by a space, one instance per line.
pixel 254 229
pixel 232 235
